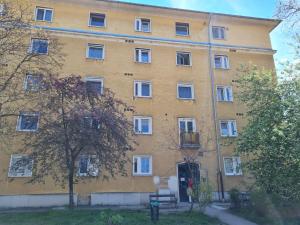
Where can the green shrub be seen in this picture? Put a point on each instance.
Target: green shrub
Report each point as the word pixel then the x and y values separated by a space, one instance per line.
pixel 111 219
pixel 235 198
pixel 205 194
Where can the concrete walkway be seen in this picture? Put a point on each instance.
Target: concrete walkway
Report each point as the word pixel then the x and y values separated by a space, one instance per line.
pixel 226 217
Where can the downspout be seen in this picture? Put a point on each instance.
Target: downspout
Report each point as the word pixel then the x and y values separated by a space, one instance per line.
pixel 215 114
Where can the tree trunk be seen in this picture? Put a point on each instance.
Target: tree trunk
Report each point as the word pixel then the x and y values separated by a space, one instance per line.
pixel 71 189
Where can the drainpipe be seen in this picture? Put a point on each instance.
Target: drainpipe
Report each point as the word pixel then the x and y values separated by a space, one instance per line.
pixel 215 114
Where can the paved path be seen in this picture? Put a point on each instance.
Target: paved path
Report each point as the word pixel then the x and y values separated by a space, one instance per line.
pixel 226 217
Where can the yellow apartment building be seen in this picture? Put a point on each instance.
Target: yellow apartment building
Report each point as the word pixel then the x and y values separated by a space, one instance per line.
pixel 177 68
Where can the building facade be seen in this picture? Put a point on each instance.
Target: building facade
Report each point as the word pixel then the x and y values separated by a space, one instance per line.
pixel 177 68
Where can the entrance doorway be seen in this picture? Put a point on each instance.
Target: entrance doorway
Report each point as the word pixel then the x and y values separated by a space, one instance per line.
pixel 185 173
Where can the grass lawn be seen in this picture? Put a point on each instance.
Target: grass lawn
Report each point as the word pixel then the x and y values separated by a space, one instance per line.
pixel 262 220
pixel 95 217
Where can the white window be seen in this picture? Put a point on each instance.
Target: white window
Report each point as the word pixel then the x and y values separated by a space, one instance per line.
pixel 142 89
pixel 232 166
pixel 187 125
pixel 20 166
pixel 2 9
pixel 221 62
pixel 183 58
pixel 88 166
pixel 143 25
pixel 94 85
pixel 182 29
pixel 224 93
pixel 218 32
pixel 228 128
pixel 142 55
pixel 95 51
pixel 142 165
pixel 28 121
pixel 43 14
pixel 39 46
pixel 185 91
pixel 97 20
pixel 33 82
pixel 142 125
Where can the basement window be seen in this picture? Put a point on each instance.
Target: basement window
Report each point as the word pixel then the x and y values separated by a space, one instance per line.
pixel 142 165
pixel 232 166
pixel 20 166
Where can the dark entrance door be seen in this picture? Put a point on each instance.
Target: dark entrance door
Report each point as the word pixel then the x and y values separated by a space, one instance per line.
pixel 184 174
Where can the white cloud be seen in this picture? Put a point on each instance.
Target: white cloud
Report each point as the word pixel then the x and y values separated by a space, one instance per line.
pixel 185 4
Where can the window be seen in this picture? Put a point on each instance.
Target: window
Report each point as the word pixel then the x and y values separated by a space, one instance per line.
pixel 95 51
pixel 91 123
pixel 2 9
pixel 88 166
pixel 143 25
pixel 32 82
pixel 142 125
pixel 185 91
pixel 142 165
pixel 142 89
pixel 224 93
pixel 20 166
pixel 39 46
pixel 97 20
pixel 187 125
pixel 94 85
pixel 228 128
pixel 182 29
pixel 28 121
pixel 221 62
pixel 232 166
pixel 43 14
pixel 183 58
pixel 218 32
pixel 142 55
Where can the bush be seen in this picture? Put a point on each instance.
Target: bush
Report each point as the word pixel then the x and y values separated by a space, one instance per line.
pixel 111 219
pixel 205 194
pixel 235 198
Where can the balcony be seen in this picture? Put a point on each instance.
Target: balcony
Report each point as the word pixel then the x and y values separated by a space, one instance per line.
pixel 189 140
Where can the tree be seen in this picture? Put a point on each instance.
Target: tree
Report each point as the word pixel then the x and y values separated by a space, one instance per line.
pixel 271 139
pixel 79 123
pixel 17 58
pixel 289 10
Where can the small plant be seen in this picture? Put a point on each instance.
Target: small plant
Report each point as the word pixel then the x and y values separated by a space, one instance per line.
pixel 109 219
pixel 235 198
pixel 205 194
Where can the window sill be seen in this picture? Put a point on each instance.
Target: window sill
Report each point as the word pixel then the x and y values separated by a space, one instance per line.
pixel 93 59
pixel 9 176
pixel 93 26
pixel 143 134
pixel 141 97
pixel 233 175
pixel 31 131
pixel 183 35
pixel 179 65
pixel 145 63
pixel 216 68
pixel 141 31
pixel 229 136
pixel 186 99
pixel 142 175
pixel 222 101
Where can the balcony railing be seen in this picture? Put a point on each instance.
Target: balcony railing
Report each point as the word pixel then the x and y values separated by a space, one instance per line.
pixel 190 140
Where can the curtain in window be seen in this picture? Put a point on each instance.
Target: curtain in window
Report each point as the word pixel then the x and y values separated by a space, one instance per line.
pixel 48 15
pixel 229 169
pixel 145 165
pixel 145 89
pixel 224 128
pixel 185 92
pixel 145 56
pixel 145 125
pixel 95 53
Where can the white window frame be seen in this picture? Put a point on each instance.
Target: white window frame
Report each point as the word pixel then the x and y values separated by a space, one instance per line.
pixel 26 82
pixel 30 114
pixel 95 46
pixel 224 62
pixel 139 83
pixel 31 46
pixel 96 79
pixel 139 118
pixel 230 133
pixel 219 32
pixel 44 8
pixel 236 161
pixel 187 119
pixel 224 90
pixel 140 28
pixel 29 174
pixel 89 167
pixel 190 56
pixel 90 19
pixel 140 50
pixel 186 85
pixel 139 165
pixel 182 24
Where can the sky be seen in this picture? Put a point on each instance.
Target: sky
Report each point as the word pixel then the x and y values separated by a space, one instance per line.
pixel 280 37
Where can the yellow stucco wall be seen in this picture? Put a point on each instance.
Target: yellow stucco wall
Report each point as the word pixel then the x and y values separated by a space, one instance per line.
pixel 164 107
